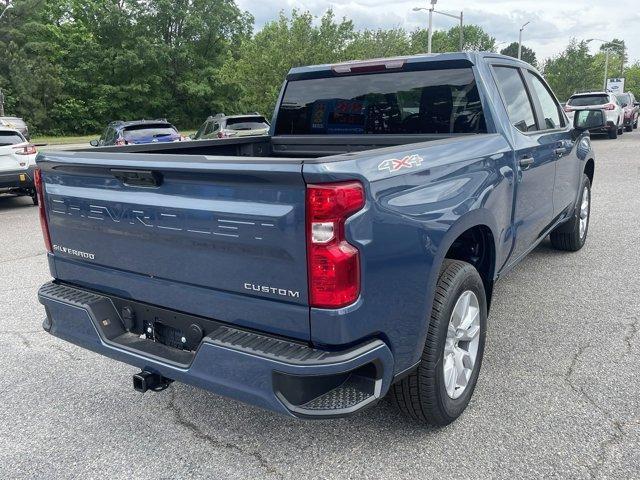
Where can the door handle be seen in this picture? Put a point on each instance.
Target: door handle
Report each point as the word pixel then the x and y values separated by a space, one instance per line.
pixel 526 162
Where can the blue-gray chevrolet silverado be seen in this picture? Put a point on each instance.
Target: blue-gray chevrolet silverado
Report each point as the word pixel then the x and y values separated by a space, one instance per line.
pixel 350 253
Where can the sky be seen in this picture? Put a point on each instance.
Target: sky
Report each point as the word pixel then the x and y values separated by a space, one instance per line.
pixel 553 22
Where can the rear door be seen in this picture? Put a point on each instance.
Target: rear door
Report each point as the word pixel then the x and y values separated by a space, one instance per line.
pixel 535 160
pixel 224 240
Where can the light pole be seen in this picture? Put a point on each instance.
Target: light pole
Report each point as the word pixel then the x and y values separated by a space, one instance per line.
pixel 5 10
pixel 431 11
pixel 520 41
pixel 607 52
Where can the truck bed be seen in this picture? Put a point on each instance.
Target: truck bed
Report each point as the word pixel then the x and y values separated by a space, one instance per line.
pixel 305 147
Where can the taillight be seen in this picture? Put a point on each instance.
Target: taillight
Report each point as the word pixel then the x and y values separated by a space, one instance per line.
pixel 37 180
pixel 609 106
pixel 28 150
pixel 334 264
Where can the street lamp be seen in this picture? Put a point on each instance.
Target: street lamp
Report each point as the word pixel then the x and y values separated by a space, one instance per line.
pixel 520 41
pixel 5 10
pixel 607 51
pixel 431 11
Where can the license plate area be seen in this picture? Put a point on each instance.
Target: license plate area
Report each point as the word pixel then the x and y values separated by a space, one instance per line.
pixel 174 329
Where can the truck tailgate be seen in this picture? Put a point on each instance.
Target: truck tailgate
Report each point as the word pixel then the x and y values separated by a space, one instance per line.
pixel 222 239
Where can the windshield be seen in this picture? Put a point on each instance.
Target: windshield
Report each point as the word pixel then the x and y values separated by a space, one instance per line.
pixel 434 101
pixel 587 100
pixel 247 123
pixel 10 138
pixel 139 132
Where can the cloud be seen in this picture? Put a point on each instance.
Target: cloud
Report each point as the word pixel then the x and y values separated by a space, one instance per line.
pixel 552 26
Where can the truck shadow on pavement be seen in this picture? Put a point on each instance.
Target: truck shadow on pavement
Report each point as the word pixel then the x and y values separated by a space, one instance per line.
pixel 11 202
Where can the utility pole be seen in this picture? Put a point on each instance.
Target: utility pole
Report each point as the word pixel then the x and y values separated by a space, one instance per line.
pixel 431 11
pixel 520 41
pixel 1 103
pixel 461 31
pixel 430 32
pixel 607 53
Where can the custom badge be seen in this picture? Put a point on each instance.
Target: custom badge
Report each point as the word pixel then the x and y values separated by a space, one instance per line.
pixel 395 165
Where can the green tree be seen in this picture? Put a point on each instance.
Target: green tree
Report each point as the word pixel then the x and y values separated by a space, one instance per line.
pixel 572 70
pixel 528 55
pixel 475 39
pixel 255 77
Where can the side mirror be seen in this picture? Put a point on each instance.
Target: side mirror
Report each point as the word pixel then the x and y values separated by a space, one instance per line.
pixel 589 120
pixel 625 105
pixel 636 104
pixel 93 143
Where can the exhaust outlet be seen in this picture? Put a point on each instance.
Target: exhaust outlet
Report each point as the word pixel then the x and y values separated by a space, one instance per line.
pixel 145 381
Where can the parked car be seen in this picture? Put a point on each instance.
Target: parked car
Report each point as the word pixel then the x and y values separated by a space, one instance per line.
pixel 138 132
pixel 16 123
pixel 599 100
pixel 352 254
pixel 223 126
pixel 17 163
pixel 631 109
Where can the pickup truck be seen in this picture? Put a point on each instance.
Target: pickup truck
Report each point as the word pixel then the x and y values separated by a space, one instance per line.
pixel 349 254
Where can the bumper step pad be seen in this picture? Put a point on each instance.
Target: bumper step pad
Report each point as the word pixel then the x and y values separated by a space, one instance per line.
pixel 274 373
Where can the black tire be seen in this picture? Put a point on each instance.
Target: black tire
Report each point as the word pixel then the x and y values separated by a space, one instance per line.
pixel 635 124
pixel 613 133
pixel 567 236
pixel 422 395
pixel 34 198
pixel 628 128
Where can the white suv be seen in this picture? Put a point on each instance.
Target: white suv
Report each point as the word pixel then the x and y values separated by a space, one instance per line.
pixel 599 101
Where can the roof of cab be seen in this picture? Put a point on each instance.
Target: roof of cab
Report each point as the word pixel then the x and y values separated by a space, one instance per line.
pixel 460 59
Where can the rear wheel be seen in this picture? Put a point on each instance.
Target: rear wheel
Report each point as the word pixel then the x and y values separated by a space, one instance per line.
pixel 635 124
pixel 439 390
pixel 628 128
pixel 613 133
pixel 572 235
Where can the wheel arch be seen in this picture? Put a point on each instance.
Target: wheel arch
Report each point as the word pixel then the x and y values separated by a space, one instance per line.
pixel 472 239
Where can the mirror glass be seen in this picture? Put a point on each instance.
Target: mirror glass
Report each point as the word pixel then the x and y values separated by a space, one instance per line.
pixel 589 119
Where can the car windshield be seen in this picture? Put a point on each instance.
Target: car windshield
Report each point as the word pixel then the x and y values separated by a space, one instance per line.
pixel 414 102
pixel 10 138
pixel 624 99
pixel 247 123
pixel 138 132
pixel 587 100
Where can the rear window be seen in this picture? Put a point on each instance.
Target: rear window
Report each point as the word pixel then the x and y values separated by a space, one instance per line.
pixel 247 123
pixel 624 98
pixel 587 100
pixel 423 102
pixel 13 122
pixel 137 132
pixel 10 138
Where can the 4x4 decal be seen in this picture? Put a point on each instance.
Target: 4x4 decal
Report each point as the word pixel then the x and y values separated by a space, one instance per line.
pixel 394 165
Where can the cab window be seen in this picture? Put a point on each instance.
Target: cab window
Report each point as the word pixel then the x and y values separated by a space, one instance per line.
pixel 517 101
pixel 550 108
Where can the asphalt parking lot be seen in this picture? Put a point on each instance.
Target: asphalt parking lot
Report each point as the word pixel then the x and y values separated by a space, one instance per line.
pixel 558 396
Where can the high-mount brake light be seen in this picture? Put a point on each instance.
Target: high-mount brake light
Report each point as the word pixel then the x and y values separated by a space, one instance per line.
pixel 334 264
pixel 368 67
pixel 44 224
